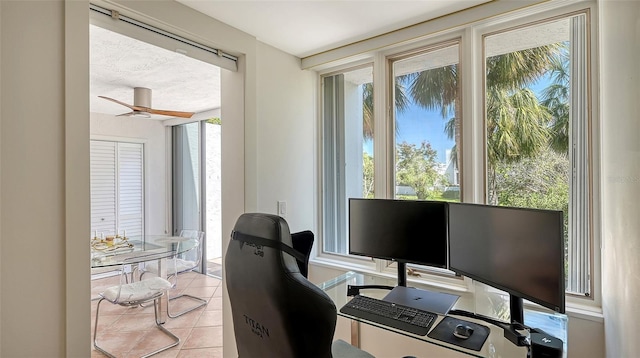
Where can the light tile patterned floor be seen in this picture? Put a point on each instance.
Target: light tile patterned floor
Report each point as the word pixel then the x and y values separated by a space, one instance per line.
pixel 130 332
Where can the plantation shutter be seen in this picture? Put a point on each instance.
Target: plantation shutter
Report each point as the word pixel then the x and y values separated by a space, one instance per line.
pixel 103 187
pixel 117 191
pixel 130 196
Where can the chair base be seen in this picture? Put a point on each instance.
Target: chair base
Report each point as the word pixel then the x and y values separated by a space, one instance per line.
pixel 202 303
pixel 175 339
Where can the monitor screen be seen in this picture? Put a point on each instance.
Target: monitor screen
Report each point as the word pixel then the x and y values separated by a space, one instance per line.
pixel 408 231
pixel 520 251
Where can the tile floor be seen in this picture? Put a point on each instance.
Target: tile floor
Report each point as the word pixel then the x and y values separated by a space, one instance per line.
pixel 130 332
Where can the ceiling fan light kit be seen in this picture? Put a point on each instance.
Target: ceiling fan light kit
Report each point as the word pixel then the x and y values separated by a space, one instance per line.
pixel 142 105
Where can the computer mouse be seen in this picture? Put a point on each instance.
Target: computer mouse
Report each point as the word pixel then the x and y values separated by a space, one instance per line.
pixel 463 331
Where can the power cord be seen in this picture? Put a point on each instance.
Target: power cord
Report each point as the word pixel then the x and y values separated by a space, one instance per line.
pixel 353 290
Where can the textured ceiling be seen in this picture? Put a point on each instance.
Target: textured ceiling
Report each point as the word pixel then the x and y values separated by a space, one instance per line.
pixel 299 27
pixel 119 63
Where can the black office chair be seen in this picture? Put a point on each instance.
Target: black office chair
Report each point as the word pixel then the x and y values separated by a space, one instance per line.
pixel 276 311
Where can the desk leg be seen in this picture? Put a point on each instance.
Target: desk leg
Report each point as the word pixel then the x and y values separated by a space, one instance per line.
pixel 355 333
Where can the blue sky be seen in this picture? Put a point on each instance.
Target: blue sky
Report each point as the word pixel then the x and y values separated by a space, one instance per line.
pixel 416 125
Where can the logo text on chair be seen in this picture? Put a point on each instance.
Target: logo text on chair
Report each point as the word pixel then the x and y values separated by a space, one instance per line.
pixel 256 327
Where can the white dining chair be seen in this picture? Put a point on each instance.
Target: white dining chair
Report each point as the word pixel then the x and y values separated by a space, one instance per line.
pixel 185 262
pixel 138 293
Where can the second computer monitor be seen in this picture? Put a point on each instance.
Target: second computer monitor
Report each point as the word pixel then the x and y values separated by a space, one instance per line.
pixel 406 231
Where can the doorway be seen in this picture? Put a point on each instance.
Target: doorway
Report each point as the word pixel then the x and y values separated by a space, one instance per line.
pixel 182 171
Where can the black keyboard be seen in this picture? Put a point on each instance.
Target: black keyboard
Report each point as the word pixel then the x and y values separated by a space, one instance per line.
pixel 390 314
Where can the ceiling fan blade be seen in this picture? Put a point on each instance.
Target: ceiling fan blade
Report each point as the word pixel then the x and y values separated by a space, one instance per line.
pixel 135 114
pixel 139 110
pixel 170 113
pixel 135 108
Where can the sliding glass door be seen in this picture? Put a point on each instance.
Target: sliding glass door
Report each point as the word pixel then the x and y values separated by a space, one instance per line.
pixel 187 213
pixel 196 187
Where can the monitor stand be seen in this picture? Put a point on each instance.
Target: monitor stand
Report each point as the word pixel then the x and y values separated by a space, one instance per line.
pixel 353 290
pixel 402 274
pixel 516 309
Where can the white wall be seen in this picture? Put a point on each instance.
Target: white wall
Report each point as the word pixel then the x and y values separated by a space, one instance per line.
pixel 157 160
pixel 620 93
pixel 32 191
pixel 286 142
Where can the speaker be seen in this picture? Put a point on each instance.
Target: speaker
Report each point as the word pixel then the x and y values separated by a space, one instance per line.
pixel 544 345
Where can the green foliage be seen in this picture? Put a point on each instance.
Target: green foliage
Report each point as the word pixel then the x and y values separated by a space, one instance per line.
pixel 416 167
pixel 451 195
pixel 540 182
pixel 401 103
pixel 556 99
pixel 517 125
pixel 367 174
pixel 214 120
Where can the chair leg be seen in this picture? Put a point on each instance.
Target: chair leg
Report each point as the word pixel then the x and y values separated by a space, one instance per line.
pixel 159 325
pixel 95 333
pixel 202 302
pixel 174 338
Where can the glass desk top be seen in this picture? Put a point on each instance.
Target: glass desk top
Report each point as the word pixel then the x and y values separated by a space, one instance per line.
pixel 496 345
pixel 105 254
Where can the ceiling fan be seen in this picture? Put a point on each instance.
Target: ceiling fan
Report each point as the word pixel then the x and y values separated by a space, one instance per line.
pixel 142 105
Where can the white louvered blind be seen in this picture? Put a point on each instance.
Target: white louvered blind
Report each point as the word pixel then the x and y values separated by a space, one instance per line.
pixel 103 186
pixel 117 200
pixel 130 195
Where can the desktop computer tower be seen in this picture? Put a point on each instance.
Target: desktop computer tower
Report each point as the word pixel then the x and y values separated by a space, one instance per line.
pixel 545 346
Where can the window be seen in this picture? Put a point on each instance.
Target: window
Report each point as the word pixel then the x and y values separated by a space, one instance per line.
pixel 348 131
pixel 536 115
pixel 503 106
pixel 426 124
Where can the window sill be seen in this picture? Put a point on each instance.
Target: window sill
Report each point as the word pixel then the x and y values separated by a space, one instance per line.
pixel 590 313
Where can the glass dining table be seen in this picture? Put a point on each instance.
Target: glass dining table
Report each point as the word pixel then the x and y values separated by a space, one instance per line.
pixel 114 252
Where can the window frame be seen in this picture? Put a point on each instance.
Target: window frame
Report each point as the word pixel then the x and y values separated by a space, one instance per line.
pixel 473 167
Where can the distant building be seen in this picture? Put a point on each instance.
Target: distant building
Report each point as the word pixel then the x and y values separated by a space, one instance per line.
pixel 405 190
pixel 451 172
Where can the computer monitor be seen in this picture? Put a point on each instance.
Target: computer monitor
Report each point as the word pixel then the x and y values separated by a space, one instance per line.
pixel 406 231
pixel 517 250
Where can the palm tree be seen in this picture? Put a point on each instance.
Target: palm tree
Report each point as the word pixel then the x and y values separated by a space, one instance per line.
pixel 517 128
pixel 556 99
pixel 516 122
pixel 401 102
pixel 518 125
pixel 438 89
